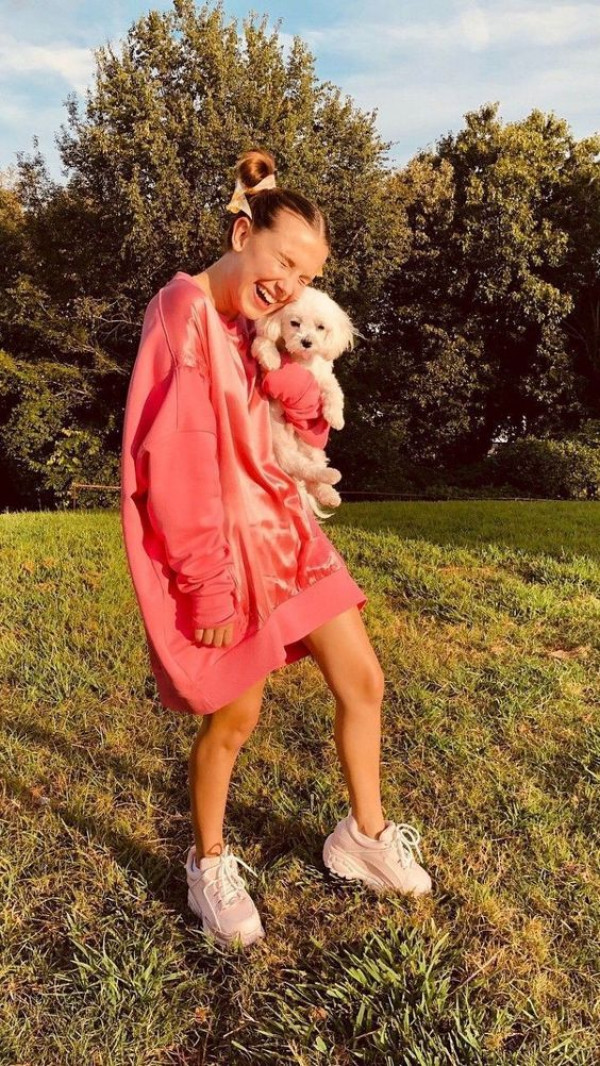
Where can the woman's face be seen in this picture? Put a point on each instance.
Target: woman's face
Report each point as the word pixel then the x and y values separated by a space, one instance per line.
pixel 279 261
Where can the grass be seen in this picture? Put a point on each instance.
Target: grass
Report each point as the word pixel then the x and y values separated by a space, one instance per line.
pixel 560 528
pixel 486 619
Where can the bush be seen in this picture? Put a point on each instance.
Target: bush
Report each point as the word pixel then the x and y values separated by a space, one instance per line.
pixel 555 469
pixel 81 455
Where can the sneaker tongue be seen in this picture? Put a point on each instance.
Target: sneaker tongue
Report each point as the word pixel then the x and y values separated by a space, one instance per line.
pixel 386 834
pixel 208 861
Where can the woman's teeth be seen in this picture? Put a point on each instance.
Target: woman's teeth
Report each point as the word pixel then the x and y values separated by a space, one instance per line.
pixel 264 296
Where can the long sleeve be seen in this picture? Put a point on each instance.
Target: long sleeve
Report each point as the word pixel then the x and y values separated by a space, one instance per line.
pixel 300 395
pixel 177 466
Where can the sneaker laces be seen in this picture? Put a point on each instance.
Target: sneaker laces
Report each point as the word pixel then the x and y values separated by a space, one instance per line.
pixel 229 884
pixel 405 838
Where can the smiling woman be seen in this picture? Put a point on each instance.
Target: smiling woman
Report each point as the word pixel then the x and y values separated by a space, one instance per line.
pixel 209 496
pixel 234 576
pixel 285 240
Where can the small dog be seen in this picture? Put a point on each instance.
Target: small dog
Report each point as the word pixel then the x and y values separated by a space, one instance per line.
pixel 314 331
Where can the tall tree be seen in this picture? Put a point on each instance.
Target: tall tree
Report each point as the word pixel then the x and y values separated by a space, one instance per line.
pixel 478 311
pixel 149 165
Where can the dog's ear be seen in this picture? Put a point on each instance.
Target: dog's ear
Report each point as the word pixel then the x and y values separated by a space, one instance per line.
pixel 345 331
pixel 269 326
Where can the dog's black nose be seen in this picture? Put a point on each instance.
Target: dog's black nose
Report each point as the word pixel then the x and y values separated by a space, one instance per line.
pixel 306 344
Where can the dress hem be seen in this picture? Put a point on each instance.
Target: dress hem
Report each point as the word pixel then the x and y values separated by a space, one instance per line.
pixel 278 643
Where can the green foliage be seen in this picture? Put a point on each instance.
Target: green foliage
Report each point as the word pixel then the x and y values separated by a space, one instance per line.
pixel 589 433
pixel 12 224
pixel 491 269
pixel 565 469
pixel 42 446
pixel 79 455
pixel 471 273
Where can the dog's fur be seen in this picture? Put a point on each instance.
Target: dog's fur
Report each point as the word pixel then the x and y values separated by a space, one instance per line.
pixel 314 331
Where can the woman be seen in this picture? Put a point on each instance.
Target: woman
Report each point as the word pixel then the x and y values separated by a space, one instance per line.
pixel 233 575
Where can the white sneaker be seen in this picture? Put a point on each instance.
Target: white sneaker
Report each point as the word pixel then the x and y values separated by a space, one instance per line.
pixel 384 863
pixel 217 894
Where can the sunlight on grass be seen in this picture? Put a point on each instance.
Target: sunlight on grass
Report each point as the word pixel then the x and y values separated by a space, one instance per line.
pixel 486 619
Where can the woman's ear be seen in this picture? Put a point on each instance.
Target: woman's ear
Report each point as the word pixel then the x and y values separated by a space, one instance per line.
pixel 240 232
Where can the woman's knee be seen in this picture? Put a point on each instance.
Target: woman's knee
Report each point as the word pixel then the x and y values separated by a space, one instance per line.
pixel 347 659
pixel 365 683
pixel 233 724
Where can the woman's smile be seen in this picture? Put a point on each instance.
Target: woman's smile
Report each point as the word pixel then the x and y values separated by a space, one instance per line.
pixel 263 296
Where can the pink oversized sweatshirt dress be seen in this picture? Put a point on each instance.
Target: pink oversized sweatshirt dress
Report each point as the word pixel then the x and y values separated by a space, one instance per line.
pixel 214 530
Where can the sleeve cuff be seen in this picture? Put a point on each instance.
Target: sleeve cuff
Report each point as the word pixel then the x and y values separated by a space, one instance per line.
pixel 213 608
pixel 316 435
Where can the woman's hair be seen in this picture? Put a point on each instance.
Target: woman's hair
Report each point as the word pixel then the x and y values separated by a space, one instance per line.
pixel 265 204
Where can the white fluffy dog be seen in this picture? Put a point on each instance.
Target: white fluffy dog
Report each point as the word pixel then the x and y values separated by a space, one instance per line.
pixel 314 331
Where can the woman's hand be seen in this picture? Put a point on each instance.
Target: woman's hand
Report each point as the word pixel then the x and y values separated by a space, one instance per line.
pixel 220 637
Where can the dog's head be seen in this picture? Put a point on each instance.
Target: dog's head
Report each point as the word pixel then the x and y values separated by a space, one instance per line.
pixel 312 325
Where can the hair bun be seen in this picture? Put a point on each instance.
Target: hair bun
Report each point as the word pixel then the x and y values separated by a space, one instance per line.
pixel 255 172
pixel 253 166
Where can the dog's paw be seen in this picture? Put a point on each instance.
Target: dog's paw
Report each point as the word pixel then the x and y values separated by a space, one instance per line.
pixel 328 475
pixel 270 362
pixel 333 415
pixel 328 496
pixel 334 475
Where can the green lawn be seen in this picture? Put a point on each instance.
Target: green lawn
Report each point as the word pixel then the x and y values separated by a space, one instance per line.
pixel 561 529
pixel 486 619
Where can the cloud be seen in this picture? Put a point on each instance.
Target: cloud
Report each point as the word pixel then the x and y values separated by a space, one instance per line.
pixel 76 65
pixel 422 111
pixel 473 27
pixel 428 73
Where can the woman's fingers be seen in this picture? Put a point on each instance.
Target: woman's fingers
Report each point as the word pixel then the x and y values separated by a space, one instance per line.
pixel 217 638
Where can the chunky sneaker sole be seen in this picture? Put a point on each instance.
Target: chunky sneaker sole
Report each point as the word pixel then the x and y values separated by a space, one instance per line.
pixel 350 868
pixel 249 936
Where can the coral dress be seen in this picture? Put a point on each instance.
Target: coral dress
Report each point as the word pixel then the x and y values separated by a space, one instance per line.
pixel 214 530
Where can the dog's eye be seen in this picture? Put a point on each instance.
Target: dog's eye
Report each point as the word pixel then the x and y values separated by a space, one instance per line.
pixel 294 322
pixel 320 327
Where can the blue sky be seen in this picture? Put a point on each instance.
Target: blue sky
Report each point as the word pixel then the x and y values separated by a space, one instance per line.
pixel 421 65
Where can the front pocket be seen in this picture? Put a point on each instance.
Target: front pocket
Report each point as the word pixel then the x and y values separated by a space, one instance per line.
pixel 237 591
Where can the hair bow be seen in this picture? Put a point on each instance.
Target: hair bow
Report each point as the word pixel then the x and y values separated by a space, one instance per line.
pixel 239 201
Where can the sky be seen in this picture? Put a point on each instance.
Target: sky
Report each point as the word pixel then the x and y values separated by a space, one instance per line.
pixel 420 64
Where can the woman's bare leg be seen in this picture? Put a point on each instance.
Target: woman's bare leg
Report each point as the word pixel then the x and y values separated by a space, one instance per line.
pixel 343 651
pixel 211 762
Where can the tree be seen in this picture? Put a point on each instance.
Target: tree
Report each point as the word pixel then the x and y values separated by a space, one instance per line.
pixel 149 168
pixel 488 275
pixel 472 273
